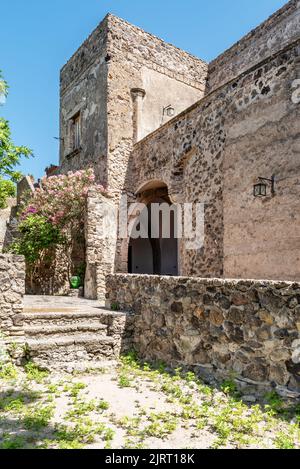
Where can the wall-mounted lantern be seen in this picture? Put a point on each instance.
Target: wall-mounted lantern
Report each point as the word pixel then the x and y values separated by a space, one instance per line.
pixel 169 111
pixel 260 189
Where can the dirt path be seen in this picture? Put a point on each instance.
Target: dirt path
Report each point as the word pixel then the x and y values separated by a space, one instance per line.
pixel 135 406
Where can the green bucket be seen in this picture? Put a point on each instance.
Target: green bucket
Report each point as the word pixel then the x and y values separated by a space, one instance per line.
pixel 75 282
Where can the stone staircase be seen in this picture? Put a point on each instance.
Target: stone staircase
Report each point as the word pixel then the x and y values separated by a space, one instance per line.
pixel 73 334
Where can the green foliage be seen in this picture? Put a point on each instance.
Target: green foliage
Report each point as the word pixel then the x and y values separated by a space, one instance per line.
pixel 8 371
pixel 10 155
pixel 36 236
pixel 284 441
pixel 34 373
pixel 7 189
pixel 161 425
pixel 124 381
pixel 74 389
pixel 274 402
pixel 17 442
pixel 38 418
pixel 229 388
pixel 12 404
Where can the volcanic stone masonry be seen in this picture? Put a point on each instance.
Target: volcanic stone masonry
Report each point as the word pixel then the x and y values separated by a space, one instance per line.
pixel 12 290
pixel 223 329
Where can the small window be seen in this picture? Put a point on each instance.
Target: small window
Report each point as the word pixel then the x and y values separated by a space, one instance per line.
pixel 75 132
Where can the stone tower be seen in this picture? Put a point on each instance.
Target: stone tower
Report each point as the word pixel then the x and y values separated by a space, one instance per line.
pixel 121 85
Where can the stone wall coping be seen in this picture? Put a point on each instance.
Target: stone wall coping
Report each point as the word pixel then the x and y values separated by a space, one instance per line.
pixel 85 42
pixel 247 330
pixel 212 281
pixel 153 36
pixel 209 96
pixel 273 19
pixel 14 257
pixel 105 23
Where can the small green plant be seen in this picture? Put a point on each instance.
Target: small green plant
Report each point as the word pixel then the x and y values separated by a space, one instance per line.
pixel 274 402
pixel 74 444
pixel 161 425
pixel 283 441
pixel 8 372
pixel 115 307
pixel 103 405
pixel 38 418
pixel 109 434
pixel 13 443
pixel 35 373
pixel 229 388
pixel 54 389
pixel 12 404
pixel 124 381
pixel 74 388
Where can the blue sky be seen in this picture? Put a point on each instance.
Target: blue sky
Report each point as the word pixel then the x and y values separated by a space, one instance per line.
pixel 38 36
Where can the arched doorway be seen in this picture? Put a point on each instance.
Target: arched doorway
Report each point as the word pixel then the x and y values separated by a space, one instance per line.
pixel 158 254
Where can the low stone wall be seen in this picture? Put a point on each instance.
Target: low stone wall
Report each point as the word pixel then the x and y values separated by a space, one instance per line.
pixel 12 289
pixel 244 329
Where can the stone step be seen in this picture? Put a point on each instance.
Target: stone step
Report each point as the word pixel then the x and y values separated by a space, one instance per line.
pixel 80 366
pixel 73 349
pixel 74 339
pixel 43 331
pixel 59 317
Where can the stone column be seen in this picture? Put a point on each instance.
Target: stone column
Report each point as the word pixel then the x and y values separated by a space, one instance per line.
pixel 101 240
pixel 138 95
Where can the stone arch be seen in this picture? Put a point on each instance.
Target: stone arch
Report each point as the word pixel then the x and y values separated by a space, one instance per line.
pixel 153 255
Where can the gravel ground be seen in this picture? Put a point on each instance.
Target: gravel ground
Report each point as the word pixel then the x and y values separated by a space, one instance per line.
pixel 135 406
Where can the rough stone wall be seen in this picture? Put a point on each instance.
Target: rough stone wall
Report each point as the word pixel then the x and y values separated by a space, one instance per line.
pixel 243 329
pixel 97 82
pixel 214 153
pixel 140 60
pixel 100 246
pixel 6 216
pixel 25 187
pixel 262 236
pixel 281 29
pixel 12 289
pixel 83 89
pixel 51 276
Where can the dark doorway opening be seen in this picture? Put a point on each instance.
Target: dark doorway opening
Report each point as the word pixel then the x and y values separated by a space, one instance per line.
pixel 155 256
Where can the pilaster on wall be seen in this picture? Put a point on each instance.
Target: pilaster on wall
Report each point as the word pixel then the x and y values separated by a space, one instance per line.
pixel 101 238
pixel 12 290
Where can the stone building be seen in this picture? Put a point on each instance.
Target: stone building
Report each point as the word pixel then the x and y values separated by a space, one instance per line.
pixel 160 125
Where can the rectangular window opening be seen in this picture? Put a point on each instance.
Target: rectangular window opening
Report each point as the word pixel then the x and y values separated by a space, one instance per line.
pixel 75 132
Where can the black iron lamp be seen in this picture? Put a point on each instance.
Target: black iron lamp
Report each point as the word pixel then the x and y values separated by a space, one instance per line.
pixel 169 111
pixel 260 189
